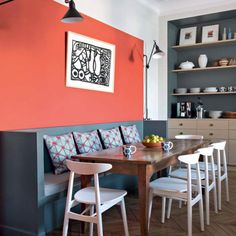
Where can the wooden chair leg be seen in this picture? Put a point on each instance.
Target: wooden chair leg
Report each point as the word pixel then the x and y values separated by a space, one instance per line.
pixel 207 206
pixel 227 188
pixel 65 226
pixel 201 214
pixel 91 224
pixel 180 204
pixel 163 210
pixel 219 191
pixel 169 208
pixel 99 225
pixel 124 217
pixel 190 219
pixel 150 208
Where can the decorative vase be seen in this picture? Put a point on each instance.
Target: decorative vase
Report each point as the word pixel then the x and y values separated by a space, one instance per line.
pixel 202 61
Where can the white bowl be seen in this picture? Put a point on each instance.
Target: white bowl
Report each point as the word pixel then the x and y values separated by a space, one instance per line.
pixel 181 90
pixel 215 114
pixel 194 90
pixel 211 89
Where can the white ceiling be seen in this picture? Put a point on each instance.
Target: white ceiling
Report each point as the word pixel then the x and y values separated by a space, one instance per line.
pixel 165 7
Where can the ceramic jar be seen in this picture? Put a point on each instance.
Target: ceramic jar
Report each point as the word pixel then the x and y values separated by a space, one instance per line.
pixel 202 61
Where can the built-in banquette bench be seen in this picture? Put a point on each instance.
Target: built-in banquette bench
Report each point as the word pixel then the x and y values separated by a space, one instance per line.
pixel 32 198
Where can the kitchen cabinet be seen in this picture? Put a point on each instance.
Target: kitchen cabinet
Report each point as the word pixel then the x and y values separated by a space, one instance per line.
pixel 213 129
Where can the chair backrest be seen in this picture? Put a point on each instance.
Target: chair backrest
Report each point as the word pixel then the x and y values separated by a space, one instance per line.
pixel 84 168
pixel 219 145
pixel 220 156
pixel 189 158
pixel 207 151
pixel 188 136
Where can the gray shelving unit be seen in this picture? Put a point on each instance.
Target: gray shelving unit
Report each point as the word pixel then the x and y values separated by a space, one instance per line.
pixel 212 76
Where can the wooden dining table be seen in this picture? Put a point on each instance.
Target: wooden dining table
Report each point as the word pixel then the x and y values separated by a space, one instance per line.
pixel 143 163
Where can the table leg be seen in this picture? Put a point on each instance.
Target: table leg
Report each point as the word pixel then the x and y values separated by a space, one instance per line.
pixel 143 187
pixel 85 182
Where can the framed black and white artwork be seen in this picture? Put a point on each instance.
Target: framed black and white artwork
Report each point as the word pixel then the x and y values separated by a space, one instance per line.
pixel 90 63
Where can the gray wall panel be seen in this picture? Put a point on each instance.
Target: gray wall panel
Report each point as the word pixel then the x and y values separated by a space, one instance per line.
pixel 18 178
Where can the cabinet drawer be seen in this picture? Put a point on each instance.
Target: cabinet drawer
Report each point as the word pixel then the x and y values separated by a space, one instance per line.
pixel 182 124
pixel 232 134
pixel 213 133
pixel 212 124
pixel 173 132
pixel 232 124
pixel 232 152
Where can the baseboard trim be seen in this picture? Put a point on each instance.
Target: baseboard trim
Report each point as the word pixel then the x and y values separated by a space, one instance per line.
pixel 9 231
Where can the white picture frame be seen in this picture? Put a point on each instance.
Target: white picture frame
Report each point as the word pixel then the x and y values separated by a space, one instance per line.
pixel 188 36
pixel 210 33
pixel 90 63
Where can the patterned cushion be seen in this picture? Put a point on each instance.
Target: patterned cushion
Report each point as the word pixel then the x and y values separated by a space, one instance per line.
pixel 87 142
pixel 111 138
pixel 130 134
pixel 60 148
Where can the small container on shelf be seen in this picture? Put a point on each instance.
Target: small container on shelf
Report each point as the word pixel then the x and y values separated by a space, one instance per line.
pixel 223 62
pixel 229 34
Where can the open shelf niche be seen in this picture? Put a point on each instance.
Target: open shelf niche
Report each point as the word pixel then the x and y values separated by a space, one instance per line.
pixel 211 76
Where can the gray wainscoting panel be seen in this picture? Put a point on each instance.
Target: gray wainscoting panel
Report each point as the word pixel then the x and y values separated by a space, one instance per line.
pixel 24 208
pixel 155 127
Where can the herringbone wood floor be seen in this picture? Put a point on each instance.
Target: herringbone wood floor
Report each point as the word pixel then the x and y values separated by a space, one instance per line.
pixel 221 224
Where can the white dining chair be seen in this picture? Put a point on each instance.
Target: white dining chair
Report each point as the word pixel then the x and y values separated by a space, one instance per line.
pixel 209 183
pixel 188 136
pixel 179 169
pixel 221 170
pixel 207 169
pixel 179 189
pixel 94 197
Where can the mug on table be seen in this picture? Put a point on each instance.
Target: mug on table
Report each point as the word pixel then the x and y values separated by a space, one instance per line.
pixel 167 146
pixel 128 150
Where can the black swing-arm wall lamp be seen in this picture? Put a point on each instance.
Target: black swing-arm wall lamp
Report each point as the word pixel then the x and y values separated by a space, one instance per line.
pixel 72 15
pixel 156 53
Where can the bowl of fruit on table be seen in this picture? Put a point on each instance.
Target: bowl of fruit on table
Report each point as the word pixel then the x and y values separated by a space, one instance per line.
pixel 153 141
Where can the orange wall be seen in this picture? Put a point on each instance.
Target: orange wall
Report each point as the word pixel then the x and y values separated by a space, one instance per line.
pixel 32 71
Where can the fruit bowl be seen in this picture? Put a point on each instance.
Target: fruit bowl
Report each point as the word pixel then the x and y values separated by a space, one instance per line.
pixel 153 145
pixel 153 141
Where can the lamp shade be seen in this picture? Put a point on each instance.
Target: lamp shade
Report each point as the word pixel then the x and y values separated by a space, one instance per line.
pixel 72 15
pixel 157 53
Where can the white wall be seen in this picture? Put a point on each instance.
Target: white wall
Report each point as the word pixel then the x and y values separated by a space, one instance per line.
pixel 162 75
pixel 135 18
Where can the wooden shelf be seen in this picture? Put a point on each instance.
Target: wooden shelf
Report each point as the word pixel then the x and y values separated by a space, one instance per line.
pixel 203 94
pixel 201 45
pixel 204 69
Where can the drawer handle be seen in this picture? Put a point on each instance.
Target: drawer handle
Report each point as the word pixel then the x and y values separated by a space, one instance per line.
pixel 180 124
pixel 211 125
pixel 180 132
pixel 211 134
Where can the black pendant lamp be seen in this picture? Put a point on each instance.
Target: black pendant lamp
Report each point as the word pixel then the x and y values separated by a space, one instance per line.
pixel 72 15
pixel 5 1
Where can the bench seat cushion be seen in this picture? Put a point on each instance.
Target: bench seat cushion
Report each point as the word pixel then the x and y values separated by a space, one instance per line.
pixel 57 183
